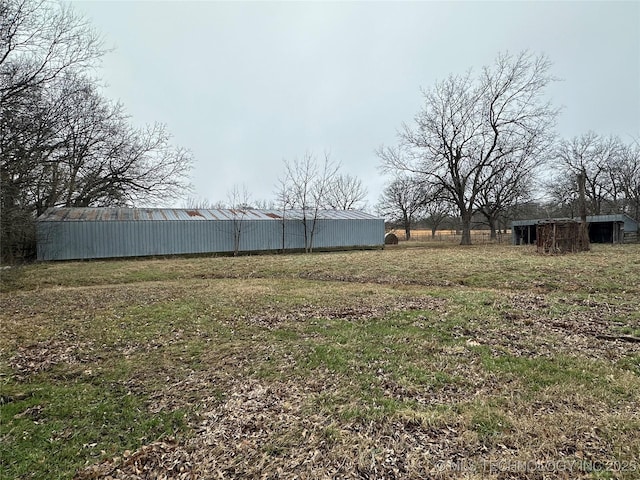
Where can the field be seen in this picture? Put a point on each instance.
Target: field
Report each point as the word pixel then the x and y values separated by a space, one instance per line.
pixel 417 362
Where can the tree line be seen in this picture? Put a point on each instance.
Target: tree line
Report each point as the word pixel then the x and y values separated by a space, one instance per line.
pixel 611 170
pixel 485 146
pixel 482 150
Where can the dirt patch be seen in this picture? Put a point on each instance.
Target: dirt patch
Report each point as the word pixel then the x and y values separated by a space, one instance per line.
pixel 274 317
pixel 66 349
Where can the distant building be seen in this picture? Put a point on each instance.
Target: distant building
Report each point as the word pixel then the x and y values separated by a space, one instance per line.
pixel 602 229
pixel 86 233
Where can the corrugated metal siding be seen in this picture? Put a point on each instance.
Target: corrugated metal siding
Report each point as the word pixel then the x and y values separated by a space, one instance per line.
pixel 62 238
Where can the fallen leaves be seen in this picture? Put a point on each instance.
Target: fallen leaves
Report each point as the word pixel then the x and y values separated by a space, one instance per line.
pixel 233 355
pixel 531 327
pixel 42 356
pixel 267 430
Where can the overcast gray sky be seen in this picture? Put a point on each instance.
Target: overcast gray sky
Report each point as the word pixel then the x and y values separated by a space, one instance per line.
pixel 245 85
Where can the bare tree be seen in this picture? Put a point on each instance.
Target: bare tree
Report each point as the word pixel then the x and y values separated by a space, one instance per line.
pixel 345 193
pixel 61 142
pixel 436 210
pixel 239 204
pixel 469 130
pixel 628 174
pixel 40 40
pixel 284 204
pixel 198 203
pixel 27 140
pixel 512 185
pixel 78 150
pixel 403 201
pixel 562 195
pixel 308 182
pixel 595 157
pixel 262 204
pixel 102 160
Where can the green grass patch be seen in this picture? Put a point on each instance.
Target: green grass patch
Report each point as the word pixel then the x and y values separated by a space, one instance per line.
pixel 539 373
pixel 489 422
pixel 49 429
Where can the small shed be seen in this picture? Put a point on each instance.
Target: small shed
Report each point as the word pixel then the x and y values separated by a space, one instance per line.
pixel 618 228
pixel 86 233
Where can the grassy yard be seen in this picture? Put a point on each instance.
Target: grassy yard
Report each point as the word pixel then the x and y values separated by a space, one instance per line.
pixel 434 361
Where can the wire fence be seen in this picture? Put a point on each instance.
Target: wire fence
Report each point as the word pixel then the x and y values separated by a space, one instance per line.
pixel 454 236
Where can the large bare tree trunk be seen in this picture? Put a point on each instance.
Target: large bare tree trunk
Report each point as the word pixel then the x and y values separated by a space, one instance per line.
pixel 407 228
pixel 492 229
pixel 466 229
pixel 584 228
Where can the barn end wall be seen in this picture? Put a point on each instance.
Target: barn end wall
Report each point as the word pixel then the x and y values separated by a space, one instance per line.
pixel 75 240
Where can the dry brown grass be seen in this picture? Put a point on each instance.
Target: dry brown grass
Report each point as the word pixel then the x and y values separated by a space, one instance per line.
pixel 487 362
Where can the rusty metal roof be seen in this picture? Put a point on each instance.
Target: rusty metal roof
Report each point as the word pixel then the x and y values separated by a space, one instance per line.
pixel 91 214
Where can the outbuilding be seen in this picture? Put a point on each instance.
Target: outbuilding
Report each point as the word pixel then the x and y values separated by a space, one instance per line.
pixel 619 228
pixel 86 233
